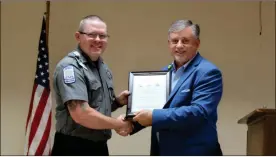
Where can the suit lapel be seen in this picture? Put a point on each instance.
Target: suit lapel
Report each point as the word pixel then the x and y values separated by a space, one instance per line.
pixel 188 71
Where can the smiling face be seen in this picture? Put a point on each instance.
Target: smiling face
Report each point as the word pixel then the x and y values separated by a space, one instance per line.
pixel 183 45
pixel 93 38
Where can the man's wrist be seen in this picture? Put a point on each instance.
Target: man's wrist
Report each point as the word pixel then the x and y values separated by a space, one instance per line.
pixel 119 124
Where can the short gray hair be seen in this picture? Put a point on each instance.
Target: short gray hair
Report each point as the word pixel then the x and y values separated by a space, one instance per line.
pixel 86 18
pixel 181 24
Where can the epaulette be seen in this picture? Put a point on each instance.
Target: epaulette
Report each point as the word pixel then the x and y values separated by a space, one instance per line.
pixel 77 57
pixel 76 53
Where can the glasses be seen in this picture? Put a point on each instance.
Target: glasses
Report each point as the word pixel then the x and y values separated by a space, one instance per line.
pixel 95 35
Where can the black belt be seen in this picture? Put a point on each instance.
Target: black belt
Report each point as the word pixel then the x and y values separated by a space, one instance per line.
pixel 75 139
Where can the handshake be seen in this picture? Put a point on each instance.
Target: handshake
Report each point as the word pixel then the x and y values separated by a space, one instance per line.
pixel 126 126
pixel 143 117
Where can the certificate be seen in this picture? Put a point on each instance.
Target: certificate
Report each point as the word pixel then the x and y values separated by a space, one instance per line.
pixel 149 90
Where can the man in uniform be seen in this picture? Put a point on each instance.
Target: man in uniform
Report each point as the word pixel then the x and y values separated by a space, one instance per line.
pixel 85 96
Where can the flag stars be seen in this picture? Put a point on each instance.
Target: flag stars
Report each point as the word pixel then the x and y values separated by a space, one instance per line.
pixel 42 73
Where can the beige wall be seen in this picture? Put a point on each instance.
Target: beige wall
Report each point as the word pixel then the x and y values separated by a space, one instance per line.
pixel 229 38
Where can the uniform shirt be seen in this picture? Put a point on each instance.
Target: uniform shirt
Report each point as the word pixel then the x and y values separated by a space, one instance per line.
pixel 76 77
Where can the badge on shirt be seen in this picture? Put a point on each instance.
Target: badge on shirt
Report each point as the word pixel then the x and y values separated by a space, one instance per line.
pixel 68 74
pixel 109 75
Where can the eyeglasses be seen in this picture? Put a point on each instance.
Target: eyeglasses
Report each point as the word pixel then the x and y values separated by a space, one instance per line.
pixel 94 35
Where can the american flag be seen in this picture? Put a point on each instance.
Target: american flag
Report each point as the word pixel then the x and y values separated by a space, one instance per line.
pixel 38 126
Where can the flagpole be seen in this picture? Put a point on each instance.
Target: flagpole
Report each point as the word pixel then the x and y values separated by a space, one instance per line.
pixel 47 43
pixel 47 14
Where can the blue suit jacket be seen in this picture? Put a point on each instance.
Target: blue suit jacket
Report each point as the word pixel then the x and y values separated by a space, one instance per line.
pixel 187 123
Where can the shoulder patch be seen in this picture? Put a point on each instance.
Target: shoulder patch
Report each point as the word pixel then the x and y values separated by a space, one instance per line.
pixel 68 74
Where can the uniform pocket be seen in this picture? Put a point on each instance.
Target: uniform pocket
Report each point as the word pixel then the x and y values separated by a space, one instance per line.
pixel 95 93
pixel 110 90
pixel 94 85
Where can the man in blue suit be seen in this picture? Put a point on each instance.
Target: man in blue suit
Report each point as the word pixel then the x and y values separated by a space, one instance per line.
pixel 187 123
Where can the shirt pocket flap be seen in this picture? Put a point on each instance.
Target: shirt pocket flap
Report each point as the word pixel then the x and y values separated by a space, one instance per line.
pixel 94 85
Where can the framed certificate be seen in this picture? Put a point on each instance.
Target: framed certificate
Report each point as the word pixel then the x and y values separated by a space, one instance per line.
pixel 149 90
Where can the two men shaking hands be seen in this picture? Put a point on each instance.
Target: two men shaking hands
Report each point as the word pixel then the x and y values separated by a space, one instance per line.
pixel 143 117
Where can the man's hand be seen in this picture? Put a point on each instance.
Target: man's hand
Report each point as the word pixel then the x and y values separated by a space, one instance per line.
pixel 126 129
pixel 122 99
pixel 144 117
